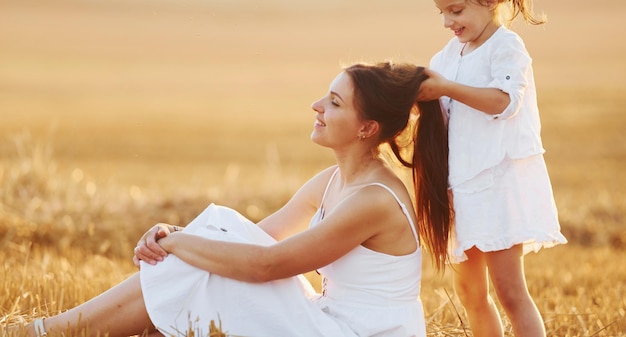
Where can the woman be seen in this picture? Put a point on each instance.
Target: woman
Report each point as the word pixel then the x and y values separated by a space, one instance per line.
pixel 352 222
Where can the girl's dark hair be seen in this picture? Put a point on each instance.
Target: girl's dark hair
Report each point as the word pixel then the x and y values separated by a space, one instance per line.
pixel 387 93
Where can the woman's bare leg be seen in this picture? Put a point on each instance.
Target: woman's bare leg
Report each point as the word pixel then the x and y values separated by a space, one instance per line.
pixel 119 311
pixel 506 268
pixel 472 286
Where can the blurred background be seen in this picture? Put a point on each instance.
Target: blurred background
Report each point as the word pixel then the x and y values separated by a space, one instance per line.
pixel 213 97
pixel 116 114
pixel 148 91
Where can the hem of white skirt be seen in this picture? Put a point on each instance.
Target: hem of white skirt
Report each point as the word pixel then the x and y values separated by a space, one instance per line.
pixel 531 244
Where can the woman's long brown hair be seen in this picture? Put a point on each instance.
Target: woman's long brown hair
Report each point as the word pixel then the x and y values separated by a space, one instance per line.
pixel 387 93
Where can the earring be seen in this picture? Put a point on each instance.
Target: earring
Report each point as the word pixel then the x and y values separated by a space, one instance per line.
pixel 361 137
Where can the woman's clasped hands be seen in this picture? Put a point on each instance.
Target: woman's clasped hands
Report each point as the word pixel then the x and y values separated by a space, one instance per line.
pixel 148 248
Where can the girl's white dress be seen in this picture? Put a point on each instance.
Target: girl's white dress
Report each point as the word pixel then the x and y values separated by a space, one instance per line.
pixel 502 191
pixel 365 293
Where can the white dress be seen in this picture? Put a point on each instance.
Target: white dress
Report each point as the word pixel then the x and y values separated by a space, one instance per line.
pixel 366 293
pixel 502 191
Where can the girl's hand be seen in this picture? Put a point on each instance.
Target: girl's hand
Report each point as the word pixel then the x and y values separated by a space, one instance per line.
pixel 433 87
pixel 148 248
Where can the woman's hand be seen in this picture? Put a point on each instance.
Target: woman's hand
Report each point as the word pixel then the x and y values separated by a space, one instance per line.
pixel 148 248
pixel 433 87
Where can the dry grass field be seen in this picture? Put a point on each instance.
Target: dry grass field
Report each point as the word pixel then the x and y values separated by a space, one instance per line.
pixel 116 114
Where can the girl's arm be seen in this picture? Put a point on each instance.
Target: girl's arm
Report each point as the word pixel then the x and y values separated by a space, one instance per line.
pixel 352 222
pixel 491 101
pixel 510 72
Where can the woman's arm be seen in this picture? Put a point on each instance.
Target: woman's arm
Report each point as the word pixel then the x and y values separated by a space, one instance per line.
pixel 292 218
pixel 296 214
pixel 352 222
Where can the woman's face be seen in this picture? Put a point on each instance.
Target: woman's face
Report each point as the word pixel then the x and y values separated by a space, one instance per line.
pixel 337 121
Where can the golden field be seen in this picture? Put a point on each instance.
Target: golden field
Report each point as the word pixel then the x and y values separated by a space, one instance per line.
pixel 119 114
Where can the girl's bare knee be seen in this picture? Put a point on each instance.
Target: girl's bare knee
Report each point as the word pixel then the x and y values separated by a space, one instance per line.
pixel 472 295
pixel 513 300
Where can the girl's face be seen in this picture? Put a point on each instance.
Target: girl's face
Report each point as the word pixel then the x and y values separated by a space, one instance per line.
pixel 471 22
pixel 337 121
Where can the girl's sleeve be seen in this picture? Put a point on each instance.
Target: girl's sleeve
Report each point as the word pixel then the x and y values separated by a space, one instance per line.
pixel 435 62
pixel 510 70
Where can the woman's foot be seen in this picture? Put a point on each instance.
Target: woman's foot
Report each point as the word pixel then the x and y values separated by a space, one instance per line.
pixel 33 329
pixel 40 329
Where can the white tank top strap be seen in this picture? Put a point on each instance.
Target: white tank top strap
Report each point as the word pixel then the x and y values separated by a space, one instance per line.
pixel 328 185
pixel 321 211
pixel 402 206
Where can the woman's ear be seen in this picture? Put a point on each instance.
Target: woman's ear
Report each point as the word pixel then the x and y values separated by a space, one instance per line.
pixel 369 129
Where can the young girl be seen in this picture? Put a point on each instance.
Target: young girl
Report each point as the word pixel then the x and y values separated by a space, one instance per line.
pixel 502 196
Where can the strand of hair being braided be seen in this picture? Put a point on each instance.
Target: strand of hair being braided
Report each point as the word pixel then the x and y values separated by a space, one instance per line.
pixel 429 165
pixel 430 176
pixel 387 92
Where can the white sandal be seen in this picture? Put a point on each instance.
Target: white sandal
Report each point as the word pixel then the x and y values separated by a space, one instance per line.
pixel 40 330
